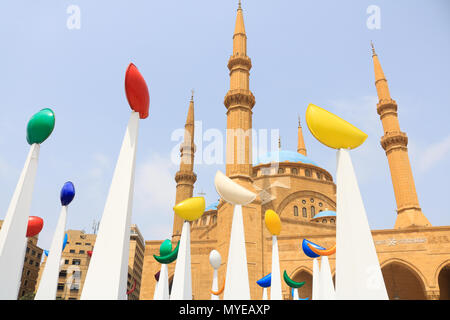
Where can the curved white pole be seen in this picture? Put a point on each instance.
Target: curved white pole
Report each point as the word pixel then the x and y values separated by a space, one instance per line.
pixel 182 281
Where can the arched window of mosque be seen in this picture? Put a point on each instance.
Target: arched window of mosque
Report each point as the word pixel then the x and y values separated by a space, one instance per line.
pixel 313 211
pixel 280 170
pixel 295 211
pixel 312 200
pixel 332 221
pixel 214 219
pixel 304 201
pixel 294 171
pixel 204 221
pixel 320 204
pixel 308 173
pixel 304 212
pixel 324 221
pixel 319 175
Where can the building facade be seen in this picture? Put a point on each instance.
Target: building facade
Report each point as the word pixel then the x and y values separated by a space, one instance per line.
pixel 414 255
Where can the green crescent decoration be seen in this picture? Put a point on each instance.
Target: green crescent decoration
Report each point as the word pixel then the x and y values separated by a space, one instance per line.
pixel 166 255
pixel 291 283
pixel 40 126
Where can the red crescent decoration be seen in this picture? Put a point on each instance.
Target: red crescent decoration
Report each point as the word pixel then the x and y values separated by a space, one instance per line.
pixel 137 91
pixel 35 225
pixel 133 288
pixel 220 290
pixel 325 252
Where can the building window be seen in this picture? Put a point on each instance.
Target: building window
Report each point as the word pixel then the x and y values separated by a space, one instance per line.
pixel 72 251
pixel 324 221
pixel 30 262
pixel 320 204
pixel 304 201
pixel 319 175
pixel 33 252
pixel 28 249
pixel 60 287
pixel 308 173
pixel 295 211
pixel 332 221
pixel 313 211
pixel 76 262
pixel 204 221
pixel 81 251
pixel 26 259
pixel 312 200
pixel 78 243
pixel 280 170
pixel 63 273
pixel 305 215
pixel 214 219
pixel 66 261
pixel 28 272
pixel 36 264
pixel 25 282
pixel 39 255
pixel 294 171
pixel 88 243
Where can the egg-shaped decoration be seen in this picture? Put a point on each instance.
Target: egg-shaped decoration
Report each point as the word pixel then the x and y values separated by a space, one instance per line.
pixel 40 126
pixel 190 209
pixel 89 252
pixel 35 225
pixel 231 191
pixel 67 193
pixel 332 130
pixel 273 222
pixel 215 259
pixel 137 91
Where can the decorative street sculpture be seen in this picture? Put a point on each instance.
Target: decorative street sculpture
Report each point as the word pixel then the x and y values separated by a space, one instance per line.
pixel 190 209
pixel 49 279
pixel 265 283
pixel 306 246
pixel 215 260
pixel 326 289
pixel 237 286
pixel 166 256
pixel 273 224
pixel 106 278
pixel 358 276
pixel 294 285
pixel 13 231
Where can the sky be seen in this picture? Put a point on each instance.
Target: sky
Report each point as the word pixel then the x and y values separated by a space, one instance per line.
pixel 71 56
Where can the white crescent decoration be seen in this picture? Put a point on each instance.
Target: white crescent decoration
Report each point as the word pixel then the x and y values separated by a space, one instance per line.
pixel 232 192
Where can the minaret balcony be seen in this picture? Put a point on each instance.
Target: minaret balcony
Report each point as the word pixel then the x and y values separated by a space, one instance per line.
pixel 189 177
pixel 239 61
pixel 394 139
pixel 239 97
pixel 386 106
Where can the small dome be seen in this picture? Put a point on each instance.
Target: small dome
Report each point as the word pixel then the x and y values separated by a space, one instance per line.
pixel 323 214
pixel 212 206
pixel 282 156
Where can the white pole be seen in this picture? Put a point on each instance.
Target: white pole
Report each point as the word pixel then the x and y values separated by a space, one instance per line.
pixel 326 282
pixel 156 289
pixel 358 272
pixel 162 289
pixel 316 283
pixel 275 287
pixel 49 279
pixel 264 294
pixel 106 278
pixel 295 297
pixel 182 282
pixel 215 286
pixel 237 286
pixel 13 241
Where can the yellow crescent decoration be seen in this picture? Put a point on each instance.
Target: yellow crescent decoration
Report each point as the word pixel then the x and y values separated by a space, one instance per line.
pixel 190 209
pixel 273 222
pixel 220 290
pixel 332 130
pixel 325 252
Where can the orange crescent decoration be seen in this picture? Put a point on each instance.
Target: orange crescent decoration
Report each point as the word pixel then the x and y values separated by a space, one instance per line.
pixel 220 290
pixel 326 252
pixel 132 289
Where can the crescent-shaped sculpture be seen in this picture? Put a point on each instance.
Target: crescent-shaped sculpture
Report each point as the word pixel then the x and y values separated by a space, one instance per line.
pixel 265 281
pixel 231 191
pixel 167 255
pixel 291 283
pixel 323 252
pixel 332 130
pixel 273 222
pixel 137 91
pixel 308 251
pixel 220 290
pixel 35 225
pixel 190 209
pixel 67 193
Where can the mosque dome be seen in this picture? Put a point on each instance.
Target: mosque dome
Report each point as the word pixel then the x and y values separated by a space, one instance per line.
pixel 283 156
pixel 326 214
pixel 212 206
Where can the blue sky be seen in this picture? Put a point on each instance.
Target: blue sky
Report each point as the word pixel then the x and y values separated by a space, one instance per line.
pixel 302 52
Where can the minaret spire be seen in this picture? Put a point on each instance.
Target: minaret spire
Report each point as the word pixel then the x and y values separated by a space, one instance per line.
pixel 239 102
pixel 301 148
pixel 395 142
pixel 185 177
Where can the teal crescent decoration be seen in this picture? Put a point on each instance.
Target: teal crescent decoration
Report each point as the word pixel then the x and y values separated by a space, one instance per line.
pixel 166 254
pixel 40 126
pixel 291 283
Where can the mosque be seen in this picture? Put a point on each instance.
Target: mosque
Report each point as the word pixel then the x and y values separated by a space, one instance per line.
pixel 414 255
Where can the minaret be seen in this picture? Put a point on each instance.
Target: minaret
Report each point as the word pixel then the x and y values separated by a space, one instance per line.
pixel 300 143
pixel 395 142
pixel 185 177
pixel 239 102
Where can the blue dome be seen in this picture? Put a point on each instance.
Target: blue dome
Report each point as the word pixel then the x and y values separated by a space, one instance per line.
pixel 327 213
pixel 212 206
pixel 281 156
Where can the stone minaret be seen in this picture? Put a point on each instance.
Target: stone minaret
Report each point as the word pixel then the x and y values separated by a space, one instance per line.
pixel 301 143
pixel 395 142
pixel 185 177
pixel 239 102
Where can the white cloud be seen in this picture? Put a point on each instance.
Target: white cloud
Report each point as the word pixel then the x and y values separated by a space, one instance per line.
pixel 434 154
